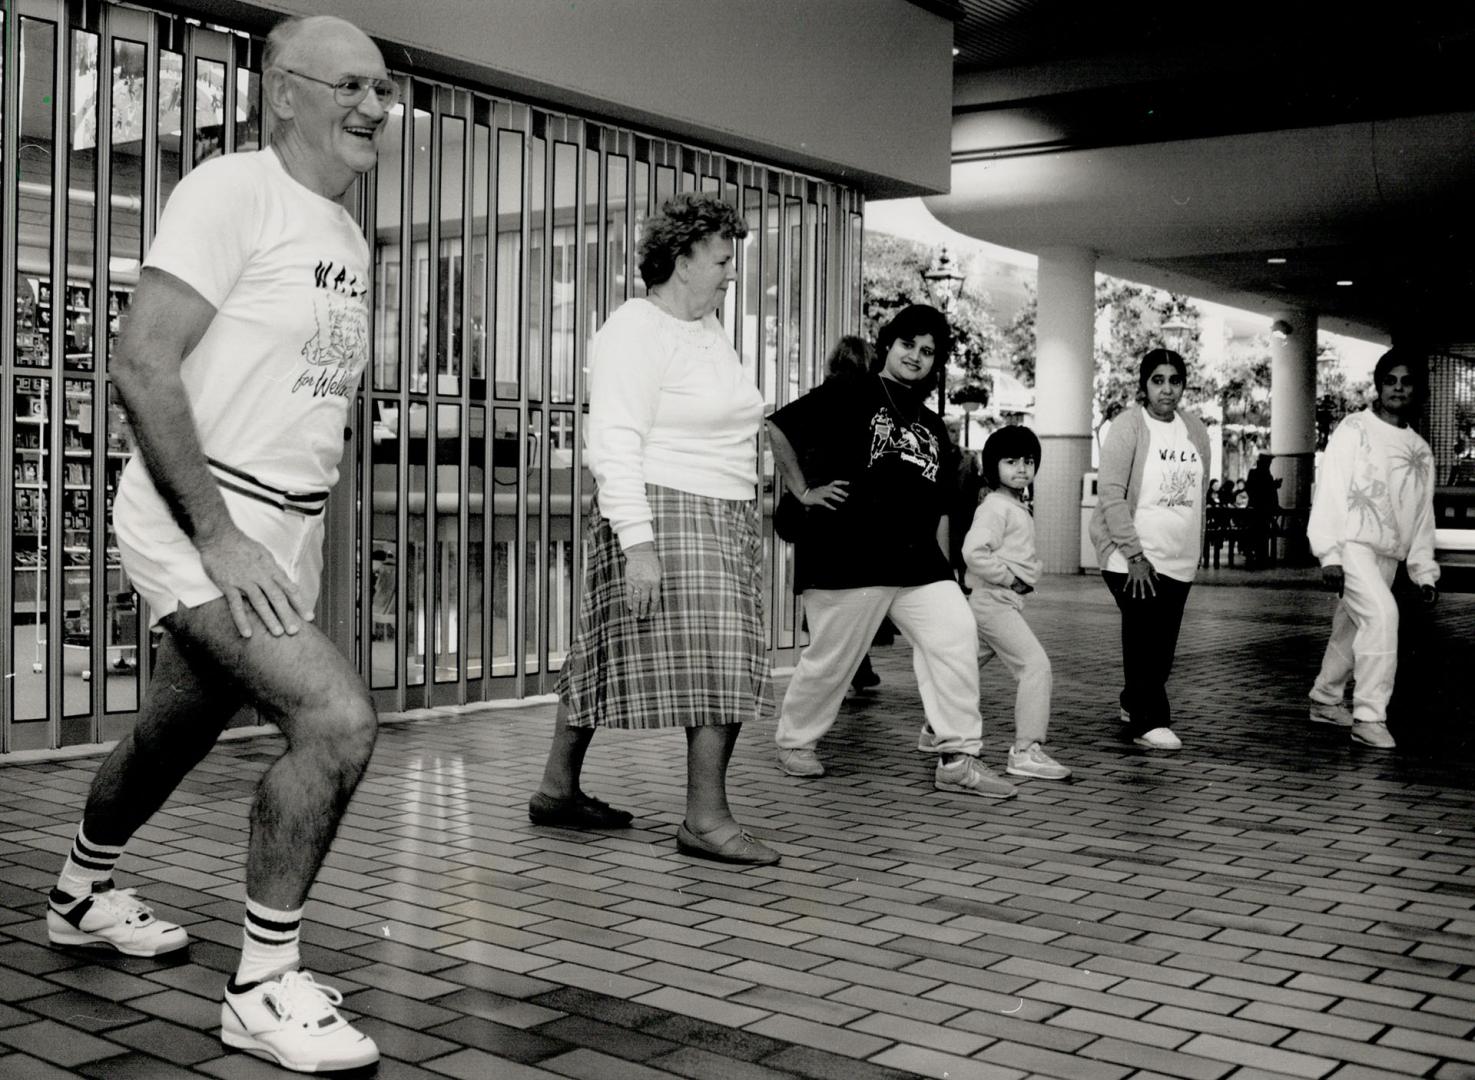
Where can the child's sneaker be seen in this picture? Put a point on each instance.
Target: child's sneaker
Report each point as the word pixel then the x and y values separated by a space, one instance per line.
pixel 293 1020
pixel 1322 713
pixel 927 740
pixel 109 916
pixel 970 776
pixel 1034 762
pixel 800 761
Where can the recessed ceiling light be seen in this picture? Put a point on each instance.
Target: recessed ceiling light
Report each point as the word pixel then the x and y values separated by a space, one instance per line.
pixel 1275 260
pixel 1345 281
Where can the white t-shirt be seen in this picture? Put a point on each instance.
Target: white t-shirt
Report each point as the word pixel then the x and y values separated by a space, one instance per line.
pixel 288 273
pixel 1169 507
pixel 670 404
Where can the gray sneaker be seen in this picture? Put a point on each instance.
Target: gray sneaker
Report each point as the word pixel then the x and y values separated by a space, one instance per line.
pixel 926 740
pixel 1034 762
pixel 801 761
pixel 1373 733
pixel 969 776
pixel 1322 713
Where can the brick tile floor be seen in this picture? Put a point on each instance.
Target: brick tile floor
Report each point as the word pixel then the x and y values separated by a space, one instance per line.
pixel 1270 902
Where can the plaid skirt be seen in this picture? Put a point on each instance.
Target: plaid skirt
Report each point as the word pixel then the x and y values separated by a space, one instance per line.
pixel 701 658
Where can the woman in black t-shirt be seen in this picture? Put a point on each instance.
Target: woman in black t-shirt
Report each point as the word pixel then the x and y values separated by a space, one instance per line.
pixel 875 543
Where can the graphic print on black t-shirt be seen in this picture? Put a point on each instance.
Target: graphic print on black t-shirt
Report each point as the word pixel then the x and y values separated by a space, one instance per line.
pixel 914 444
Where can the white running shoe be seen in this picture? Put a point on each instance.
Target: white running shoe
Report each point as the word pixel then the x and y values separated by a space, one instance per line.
pixel 110 916
pixel 1032 761
pixel 1322 713
pixel 927 740
pixel 1159 738
pixel 293 1020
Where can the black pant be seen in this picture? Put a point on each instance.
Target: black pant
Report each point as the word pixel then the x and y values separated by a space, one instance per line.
pixel 1149 639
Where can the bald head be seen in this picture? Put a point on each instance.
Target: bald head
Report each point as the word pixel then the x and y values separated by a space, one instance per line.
pixel 301 36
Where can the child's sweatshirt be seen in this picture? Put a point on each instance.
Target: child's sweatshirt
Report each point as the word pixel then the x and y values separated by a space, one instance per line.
pixel 1000 545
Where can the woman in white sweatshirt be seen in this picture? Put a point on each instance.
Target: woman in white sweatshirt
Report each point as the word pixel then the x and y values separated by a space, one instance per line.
pixel 1374 508
pixel 671 630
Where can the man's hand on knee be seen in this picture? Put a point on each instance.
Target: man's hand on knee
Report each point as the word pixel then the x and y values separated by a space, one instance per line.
pixel 251 579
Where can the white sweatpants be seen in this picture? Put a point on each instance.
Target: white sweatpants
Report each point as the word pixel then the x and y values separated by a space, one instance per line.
pixel 1002 632
pixel 934 618
pixel 1364 639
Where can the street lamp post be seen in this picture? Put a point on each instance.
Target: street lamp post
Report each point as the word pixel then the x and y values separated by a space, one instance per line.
pixel 944 283
pixel 1176 333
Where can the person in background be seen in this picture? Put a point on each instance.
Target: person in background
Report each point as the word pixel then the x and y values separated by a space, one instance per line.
pixel 1148 530
pixel 1002 569
pixel 671 630
pixel 851 358
pixel 1373 508
pixel 878 484
pixel 1263 501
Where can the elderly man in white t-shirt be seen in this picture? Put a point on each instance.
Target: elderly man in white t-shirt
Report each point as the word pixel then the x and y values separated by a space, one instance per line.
pixel 241 352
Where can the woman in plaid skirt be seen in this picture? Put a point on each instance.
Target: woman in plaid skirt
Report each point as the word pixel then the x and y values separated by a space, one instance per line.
pixel 671 629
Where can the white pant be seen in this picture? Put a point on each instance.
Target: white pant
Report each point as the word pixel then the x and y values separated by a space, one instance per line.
pixel 935 619
pixel 1002 632
pixel 1364 636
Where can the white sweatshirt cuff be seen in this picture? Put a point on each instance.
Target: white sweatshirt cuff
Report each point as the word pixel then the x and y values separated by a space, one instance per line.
pixel 640 533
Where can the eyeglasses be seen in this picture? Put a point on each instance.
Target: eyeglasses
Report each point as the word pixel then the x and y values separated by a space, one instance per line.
pixel 352 89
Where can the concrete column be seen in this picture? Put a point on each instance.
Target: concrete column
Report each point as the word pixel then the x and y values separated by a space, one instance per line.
pixel 1293 407
pixel 1064 341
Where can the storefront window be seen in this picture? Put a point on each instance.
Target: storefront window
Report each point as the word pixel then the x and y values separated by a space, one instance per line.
pixel 505 233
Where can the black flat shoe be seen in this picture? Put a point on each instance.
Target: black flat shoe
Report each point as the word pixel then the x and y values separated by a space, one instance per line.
pixel 579 812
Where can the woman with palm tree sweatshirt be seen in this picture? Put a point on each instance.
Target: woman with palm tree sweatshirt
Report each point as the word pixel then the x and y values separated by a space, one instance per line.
pixel 1374 508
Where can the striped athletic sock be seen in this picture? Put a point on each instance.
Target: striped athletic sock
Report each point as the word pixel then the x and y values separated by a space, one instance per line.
pixel 271 943
pixel 88 863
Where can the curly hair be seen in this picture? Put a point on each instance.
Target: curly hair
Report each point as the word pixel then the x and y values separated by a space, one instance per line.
pixel 683 222
pixel 1014 441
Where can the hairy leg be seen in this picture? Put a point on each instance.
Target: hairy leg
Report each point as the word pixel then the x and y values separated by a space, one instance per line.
pixel 186 706
pixel 304 684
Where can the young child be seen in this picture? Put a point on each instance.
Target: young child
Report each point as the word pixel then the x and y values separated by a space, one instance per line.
pixel 1002 568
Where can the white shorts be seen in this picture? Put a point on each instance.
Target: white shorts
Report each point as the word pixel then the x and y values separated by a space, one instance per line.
pixel 163 564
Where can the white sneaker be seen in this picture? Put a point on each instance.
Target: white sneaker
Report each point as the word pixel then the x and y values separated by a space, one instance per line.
pixel 927 740
pixel 1322 713
pixel 1034 762
pixel 1373 733
pixel 1159 738
pixel 293 1020
pixel 115 917
pixel 972 777
pixel 800 761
